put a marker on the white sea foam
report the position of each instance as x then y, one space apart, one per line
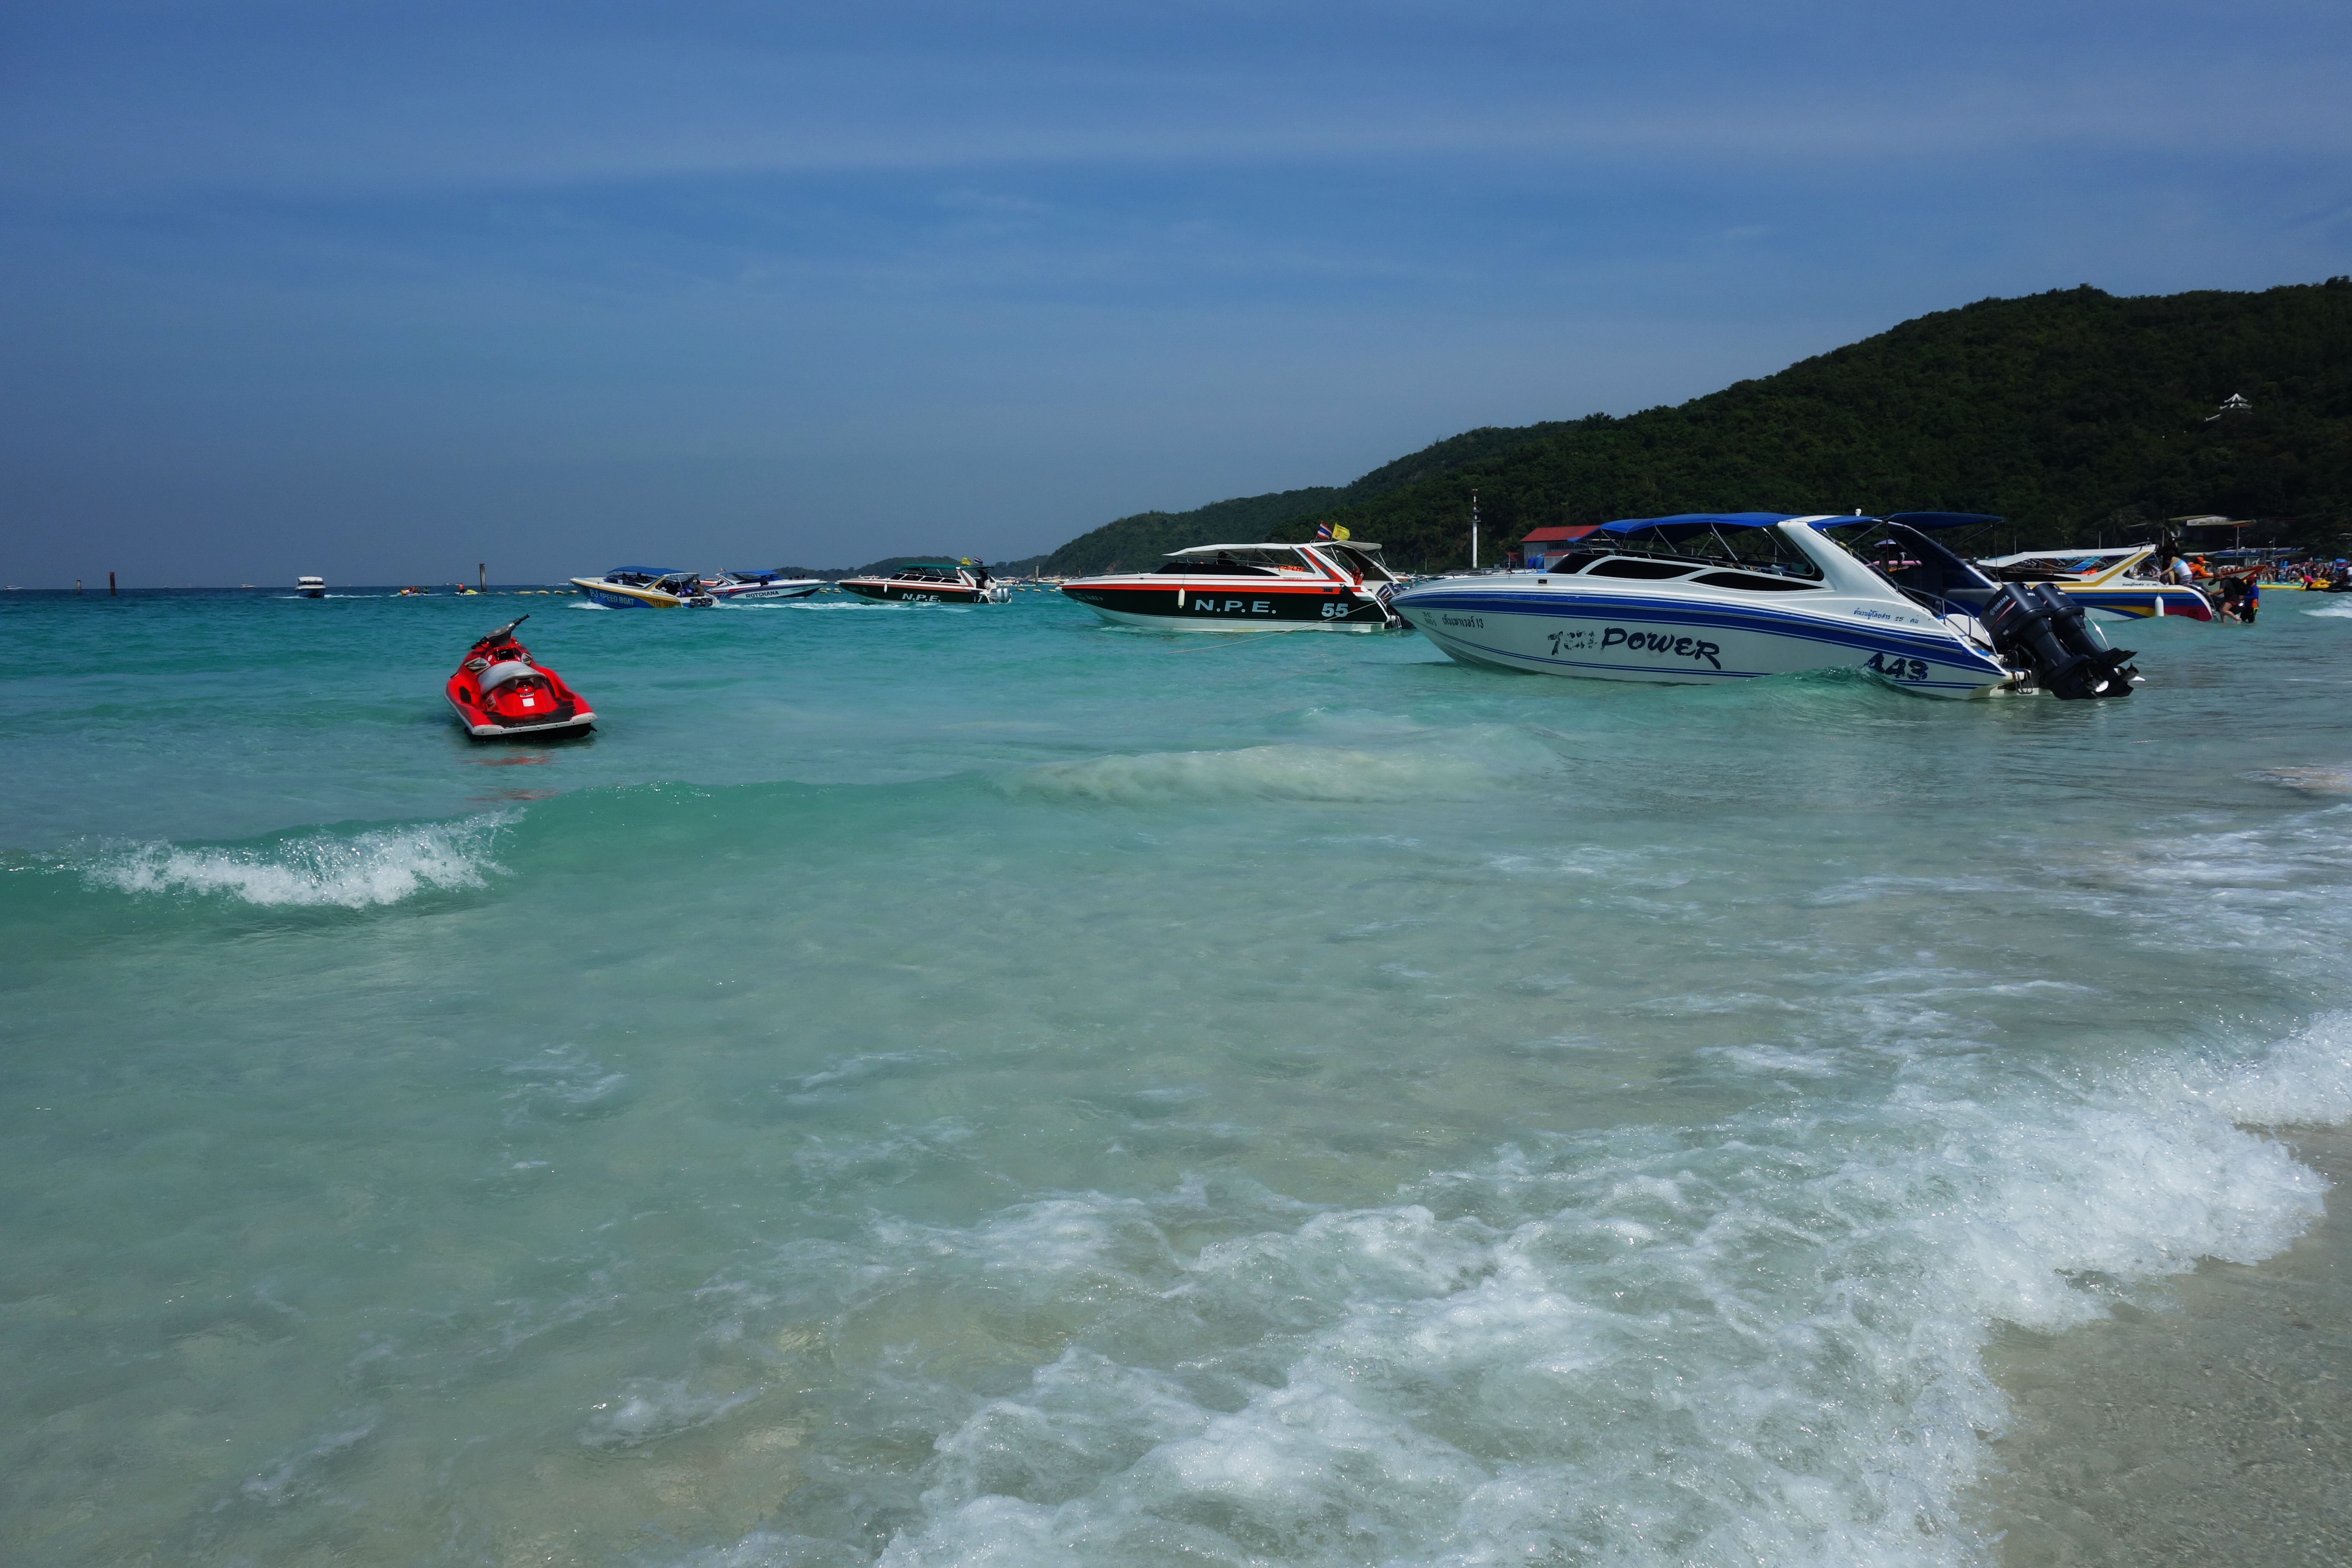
2311 780
381 866
2333 612
1468 763
647 1411
1759 1342
562 1083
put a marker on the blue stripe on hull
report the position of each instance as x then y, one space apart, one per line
1870 638
1933 648
1503 658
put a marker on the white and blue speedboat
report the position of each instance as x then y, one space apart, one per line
755 587
1709 597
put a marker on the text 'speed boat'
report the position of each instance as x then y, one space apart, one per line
754 588
501 692
930 583
1719 596
2112 584
1326 586
644 588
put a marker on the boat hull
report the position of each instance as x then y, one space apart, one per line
580 723
914 592
623 597
1652 639
765 595
2141 602
1227 607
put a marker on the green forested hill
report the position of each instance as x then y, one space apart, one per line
1136 543
2071 413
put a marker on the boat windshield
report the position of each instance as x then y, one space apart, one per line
1911 561
1366 567
2055 564
1687 549
1237 560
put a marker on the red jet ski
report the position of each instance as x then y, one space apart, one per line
499 692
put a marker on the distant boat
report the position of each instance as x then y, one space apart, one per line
310 587
2108 584
644 588
730 586
930 583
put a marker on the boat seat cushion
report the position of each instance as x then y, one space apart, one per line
500 673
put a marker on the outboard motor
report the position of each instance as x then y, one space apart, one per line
2031 624
2040 625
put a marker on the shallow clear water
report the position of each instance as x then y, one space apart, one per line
971 1085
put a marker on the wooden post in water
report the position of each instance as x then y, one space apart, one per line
110 585
481 576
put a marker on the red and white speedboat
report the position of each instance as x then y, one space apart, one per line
499 692
1327 584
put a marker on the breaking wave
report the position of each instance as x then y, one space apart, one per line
1466 763
352 871
1756 1343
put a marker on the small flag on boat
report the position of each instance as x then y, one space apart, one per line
1322 530
1340 532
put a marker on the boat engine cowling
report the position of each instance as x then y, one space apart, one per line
2042 627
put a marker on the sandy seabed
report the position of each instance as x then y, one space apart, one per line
2208 1425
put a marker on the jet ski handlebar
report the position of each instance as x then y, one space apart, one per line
503 633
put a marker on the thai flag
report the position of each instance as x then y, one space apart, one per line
1322 530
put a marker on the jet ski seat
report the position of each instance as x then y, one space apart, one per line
500 673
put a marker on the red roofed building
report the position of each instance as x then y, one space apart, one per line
1538 549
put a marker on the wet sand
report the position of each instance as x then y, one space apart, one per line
2212 1423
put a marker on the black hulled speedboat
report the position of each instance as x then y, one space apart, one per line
1324 585
930 583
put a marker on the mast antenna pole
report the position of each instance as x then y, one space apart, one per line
1473 528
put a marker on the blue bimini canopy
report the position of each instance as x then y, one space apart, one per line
1925 521
1681 525
1684 524
648 570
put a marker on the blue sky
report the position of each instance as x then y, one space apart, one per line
380 290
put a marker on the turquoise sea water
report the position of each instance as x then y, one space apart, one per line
973 1086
